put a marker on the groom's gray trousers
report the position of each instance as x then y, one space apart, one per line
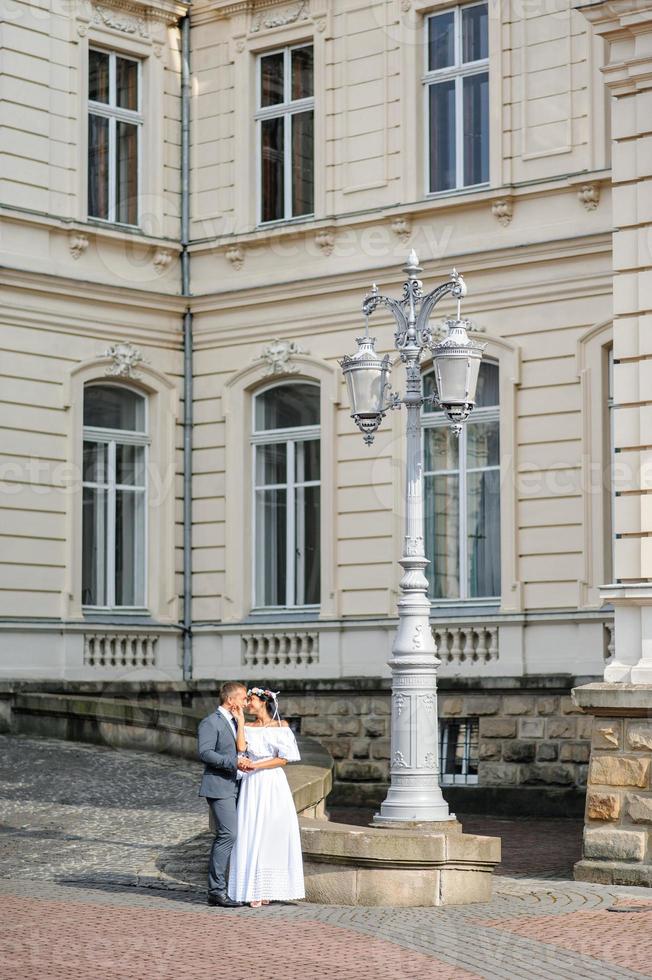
216 747
226 826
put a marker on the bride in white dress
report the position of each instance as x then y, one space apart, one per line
266 862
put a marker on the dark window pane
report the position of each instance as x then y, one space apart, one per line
98 167
487 391
483 542
302 73
272 169
271 545
271 79
98 76
109 407
129 548
442 535
307 570
287 406
442 136
130 465
127 174
459 747
126 83
307 461
441 41
94 465
302 163
475 39
271 464
94 523
475 96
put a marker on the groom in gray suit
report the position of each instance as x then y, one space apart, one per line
216 740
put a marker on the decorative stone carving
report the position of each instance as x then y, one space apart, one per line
158 50
78 244
162 259
320 24
125 359
236 256
430 760
399 701
325 239
428 702
402 229
398 761
503 211
240 45
406 5
589 196
417 637
278 354
119 20
280 18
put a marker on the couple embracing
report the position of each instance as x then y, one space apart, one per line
256 827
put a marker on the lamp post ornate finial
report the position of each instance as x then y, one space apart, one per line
414 794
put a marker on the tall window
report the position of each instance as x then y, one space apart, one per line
114 125
462 496
114 497
457 94
285 123
287 496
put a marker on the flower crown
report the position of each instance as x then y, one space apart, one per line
269 697
264 695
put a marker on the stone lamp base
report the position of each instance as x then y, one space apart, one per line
347 865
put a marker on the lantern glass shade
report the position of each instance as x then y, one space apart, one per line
456 361
367 381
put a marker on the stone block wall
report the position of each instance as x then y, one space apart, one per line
618 818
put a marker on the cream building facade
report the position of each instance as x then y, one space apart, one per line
326 139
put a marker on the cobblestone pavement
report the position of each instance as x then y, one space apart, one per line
100 852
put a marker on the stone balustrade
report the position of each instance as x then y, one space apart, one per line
282 648
466 644
120 650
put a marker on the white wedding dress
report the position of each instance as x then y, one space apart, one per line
266 858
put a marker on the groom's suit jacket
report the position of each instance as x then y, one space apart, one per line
216 747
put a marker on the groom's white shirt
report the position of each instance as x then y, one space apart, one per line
229 717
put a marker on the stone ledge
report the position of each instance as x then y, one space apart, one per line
632 700
613 873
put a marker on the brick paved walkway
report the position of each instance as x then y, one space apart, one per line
93 847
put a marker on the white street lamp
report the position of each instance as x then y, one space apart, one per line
414 794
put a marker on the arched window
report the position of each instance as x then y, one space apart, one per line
114 497
286 509
462 496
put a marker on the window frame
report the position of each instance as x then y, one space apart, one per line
464 778
289 107
111 438
290 436
432 420
114 113
457 72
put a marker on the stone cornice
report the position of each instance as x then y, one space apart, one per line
132 16
426 209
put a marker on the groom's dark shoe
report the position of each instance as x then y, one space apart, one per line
223 900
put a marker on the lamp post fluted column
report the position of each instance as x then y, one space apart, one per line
414 794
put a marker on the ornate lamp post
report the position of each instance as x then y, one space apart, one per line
414 794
